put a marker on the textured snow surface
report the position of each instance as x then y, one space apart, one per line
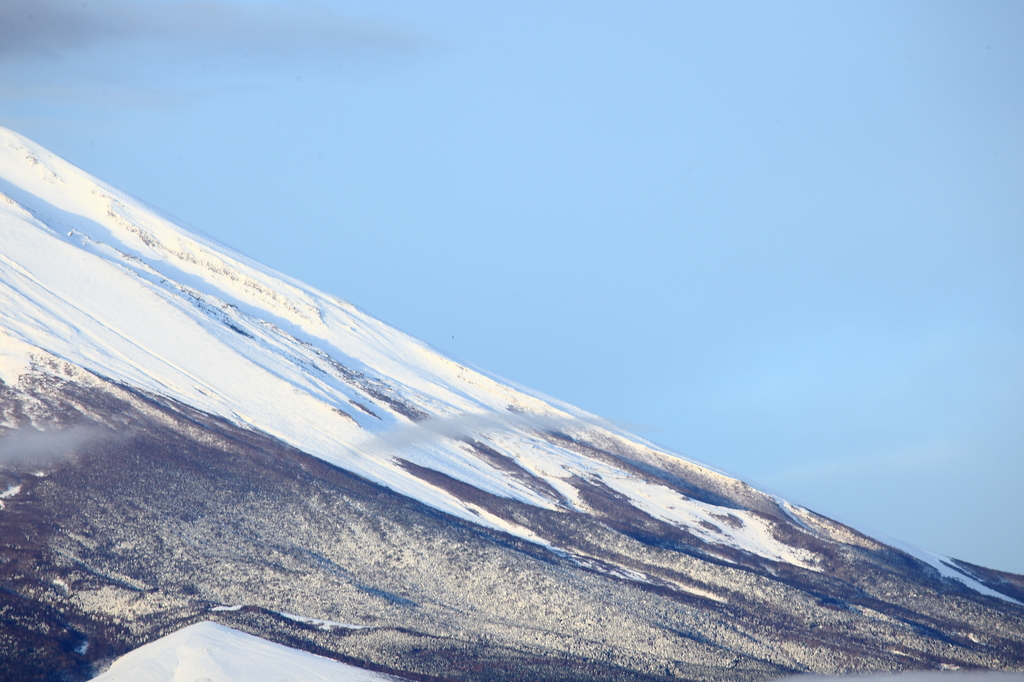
947 569
108 283
209 652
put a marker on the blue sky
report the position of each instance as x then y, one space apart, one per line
783 239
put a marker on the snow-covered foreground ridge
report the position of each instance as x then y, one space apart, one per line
212 652
96 278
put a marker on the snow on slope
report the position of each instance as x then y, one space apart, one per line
101 280
215 653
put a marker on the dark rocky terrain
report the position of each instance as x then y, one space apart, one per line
156 516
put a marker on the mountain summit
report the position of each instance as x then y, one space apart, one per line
187 435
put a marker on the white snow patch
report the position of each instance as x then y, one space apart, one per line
14 358
236 607
945 566
215 653
709 522
321 624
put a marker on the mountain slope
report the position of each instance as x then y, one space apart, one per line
110 285
107 284
209 434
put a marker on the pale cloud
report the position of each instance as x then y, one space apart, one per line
129 54
29 448
52 28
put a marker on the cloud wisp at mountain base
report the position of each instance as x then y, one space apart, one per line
29 448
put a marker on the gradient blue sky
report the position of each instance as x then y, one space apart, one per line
783 239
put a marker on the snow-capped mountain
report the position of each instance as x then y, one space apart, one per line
106 283
210 434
